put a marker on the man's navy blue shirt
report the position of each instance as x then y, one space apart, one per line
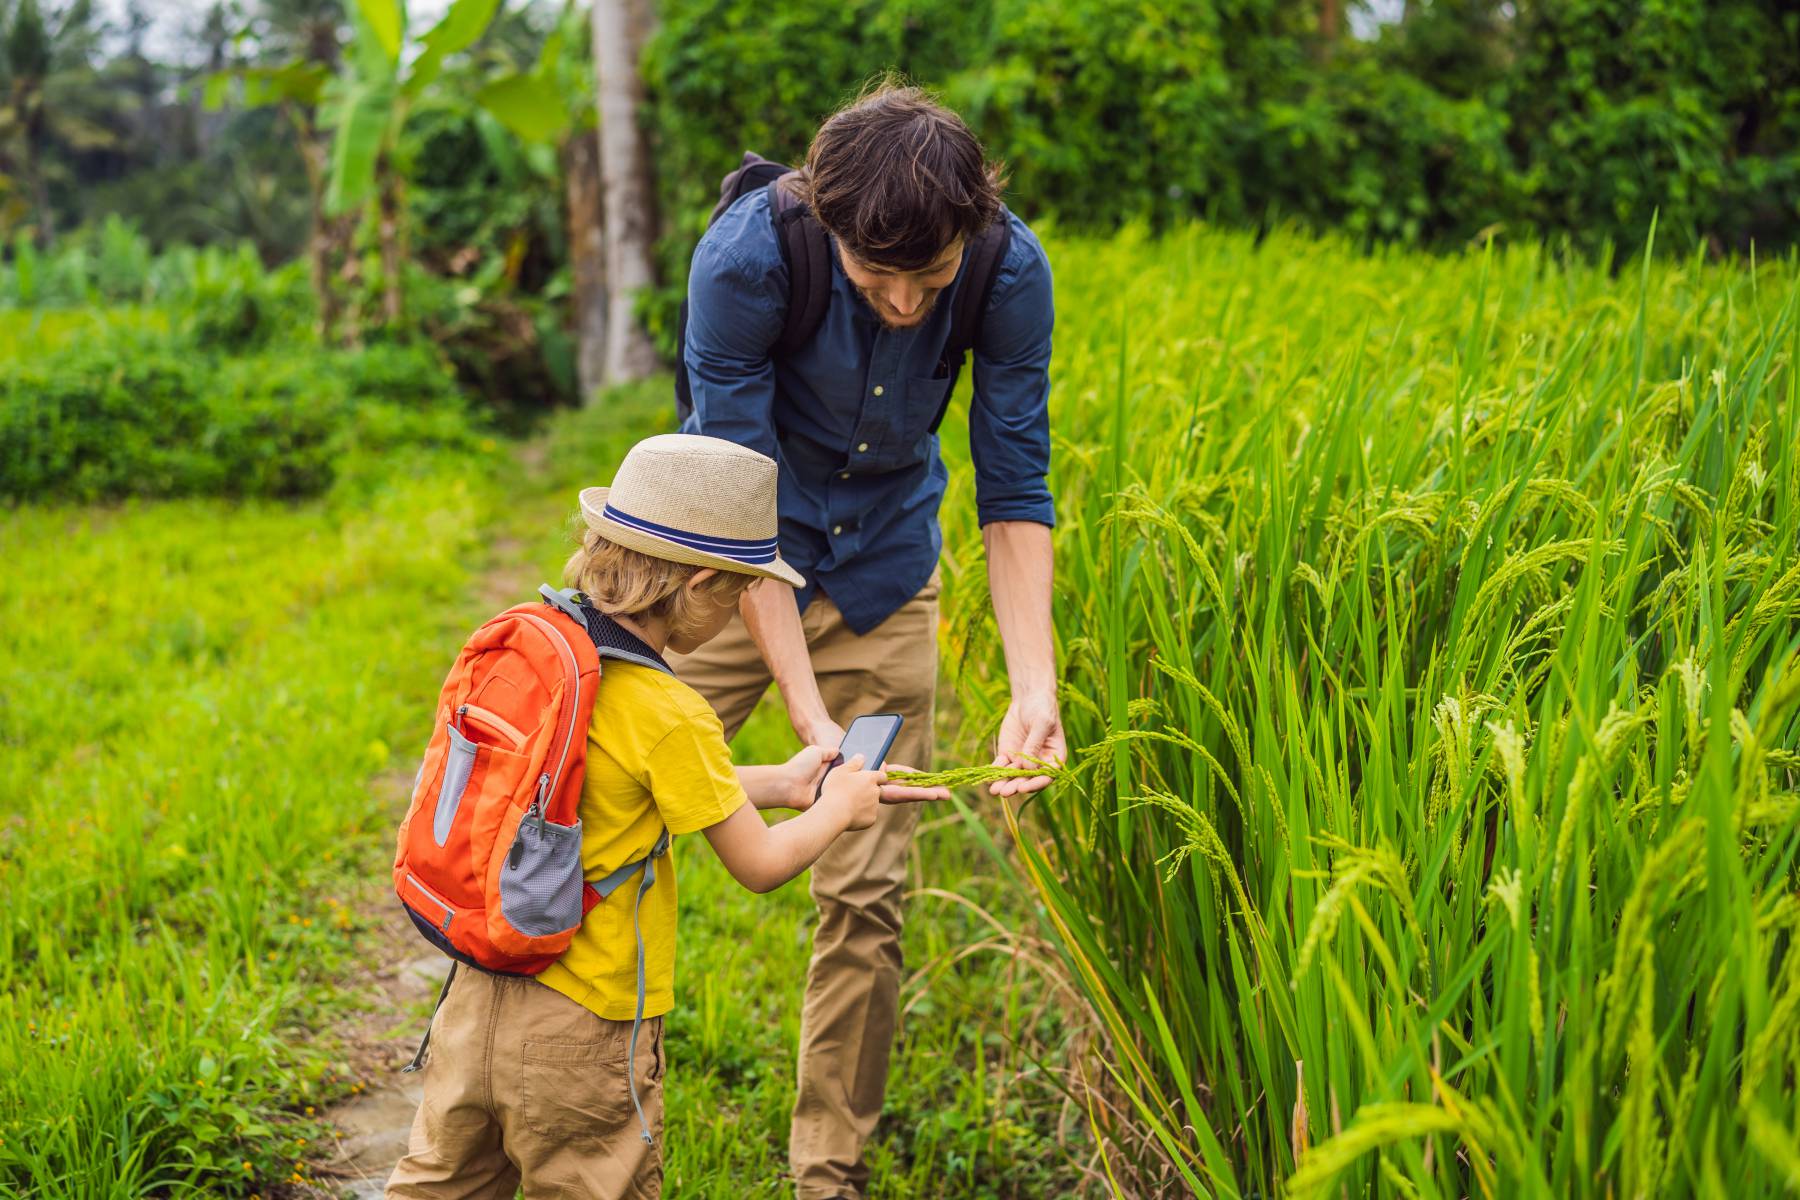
849 415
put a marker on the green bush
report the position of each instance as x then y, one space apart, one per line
1384 155
147 416
230 302
1580 118
224 298
1688 109
504 344
1105 109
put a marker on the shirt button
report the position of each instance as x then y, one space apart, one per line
837 529
878 389
843 474
862 447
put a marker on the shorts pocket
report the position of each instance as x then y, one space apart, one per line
578 1090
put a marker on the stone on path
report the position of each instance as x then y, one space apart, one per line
373 1126
373 1130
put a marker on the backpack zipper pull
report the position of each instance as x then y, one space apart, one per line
534 813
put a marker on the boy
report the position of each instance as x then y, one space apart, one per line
527 1080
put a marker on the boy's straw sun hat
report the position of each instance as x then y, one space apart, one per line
703 501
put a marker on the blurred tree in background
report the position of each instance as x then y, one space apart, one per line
1692 108
1446 121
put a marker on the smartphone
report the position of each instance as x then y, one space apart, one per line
869 736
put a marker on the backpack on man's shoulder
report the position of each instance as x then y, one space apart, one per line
806 251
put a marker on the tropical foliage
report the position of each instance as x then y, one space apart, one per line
1539 118
1428 564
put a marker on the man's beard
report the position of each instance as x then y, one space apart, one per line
880 308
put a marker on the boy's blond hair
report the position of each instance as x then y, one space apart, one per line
623 582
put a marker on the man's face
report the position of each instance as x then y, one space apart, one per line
903 299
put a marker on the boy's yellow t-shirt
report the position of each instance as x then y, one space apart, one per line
656 757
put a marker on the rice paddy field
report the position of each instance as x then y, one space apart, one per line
1429 630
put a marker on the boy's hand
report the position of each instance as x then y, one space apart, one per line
856 791
900 793
803 772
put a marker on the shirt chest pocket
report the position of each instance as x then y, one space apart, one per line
927 399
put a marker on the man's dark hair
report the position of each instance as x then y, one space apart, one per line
895 176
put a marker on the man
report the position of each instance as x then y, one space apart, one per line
901 186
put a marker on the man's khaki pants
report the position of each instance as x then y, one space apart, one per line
853 983
523 1086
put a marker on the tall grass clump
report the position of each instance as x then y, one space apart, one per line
195 698
1430 644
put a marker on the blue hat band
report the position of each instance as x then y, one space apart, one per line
744 550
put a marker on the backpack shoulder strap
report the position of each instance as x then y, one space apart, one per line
985 257
752 172
602 888
806 250
611 640
970 310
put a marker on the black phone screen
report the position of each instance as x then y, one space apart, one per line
869 736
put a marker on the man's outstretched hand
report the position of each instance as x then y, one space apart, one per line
1032 730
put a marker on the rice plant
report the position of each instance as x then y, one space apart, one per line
1430 641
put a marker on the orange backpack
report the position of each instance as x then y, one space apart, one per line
488 863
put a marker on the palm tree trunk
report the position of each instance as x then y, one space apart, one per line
587 258
40 200
629 200
32 106
392 241
324 235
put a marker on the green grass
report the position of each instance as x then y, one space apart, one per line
196 703
194 700
1429 635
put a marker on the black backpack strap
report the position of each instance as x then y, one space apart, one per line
611 640
806 249
753 172
684 391
983 266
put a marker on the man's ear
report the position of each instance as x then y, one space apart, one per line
701 576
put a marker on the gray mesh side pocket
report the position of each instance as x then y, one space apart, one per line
541 895
456 778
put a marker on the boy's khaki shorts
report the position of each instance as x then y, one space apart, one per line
525 1086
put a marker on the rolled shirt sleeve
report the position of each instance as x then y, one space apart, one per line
1009 416
735 313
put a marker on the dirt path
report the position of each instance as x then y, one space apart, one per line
395 991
